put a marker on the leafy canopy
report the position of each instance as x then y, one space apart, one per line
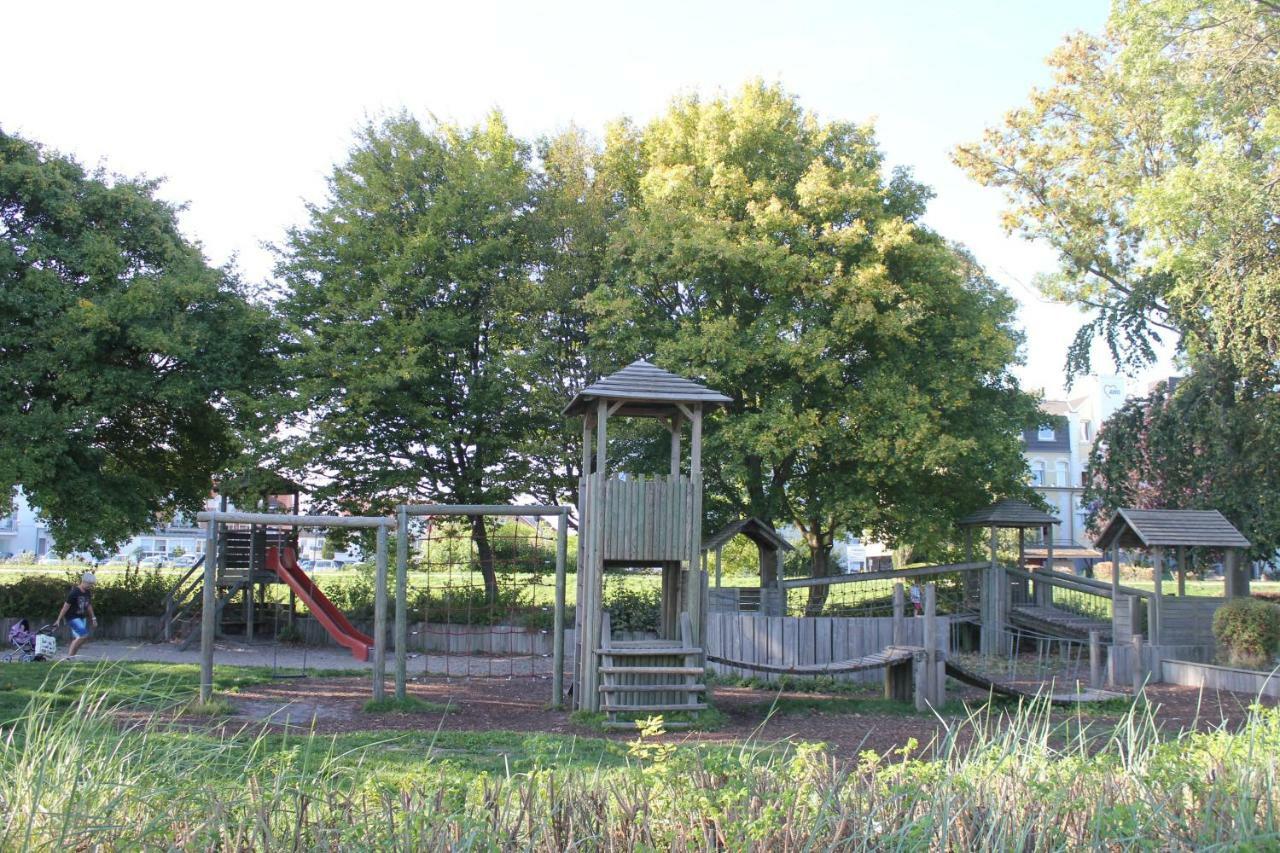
124 357
868 360
1152 165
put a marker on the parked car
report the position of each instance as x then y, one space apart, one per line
155 561
186 561
51 559
324 565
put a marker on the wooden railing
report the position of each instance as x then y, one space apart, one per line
178 600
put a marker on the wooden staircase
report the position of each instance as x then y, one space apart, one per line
643 678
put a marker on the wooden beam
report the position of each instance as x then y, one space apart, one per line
1182 571
1157 575
380 617
557 637
402 601
208 605
675 446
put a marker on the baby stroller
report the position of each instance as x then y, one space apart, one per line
30 645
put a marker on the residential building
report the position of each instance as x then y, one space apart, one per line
1058 454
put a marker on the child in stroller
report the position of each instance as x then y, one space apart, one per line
24 642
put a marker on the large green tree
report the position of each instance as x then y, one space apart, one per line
1185 446
868 360
410 302
575 213
123 354
1152 165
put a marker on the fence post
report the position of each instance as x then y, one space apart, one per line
1095 659
899 615
380 617
402 599
557 637
931 680
1139 665
208 606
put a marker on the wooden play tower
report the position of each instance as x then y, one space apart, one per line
631 521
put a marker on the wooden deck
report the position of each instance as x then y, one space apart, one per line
1055 622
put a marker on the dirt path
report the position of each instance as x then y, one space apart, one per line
333 705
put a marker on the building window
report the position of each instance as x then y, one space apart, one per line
1046 433
1061 478
1037 472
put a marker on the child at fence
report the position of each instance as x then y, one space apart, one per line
915 599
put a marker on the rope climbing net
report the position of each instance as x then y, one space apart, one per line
481 595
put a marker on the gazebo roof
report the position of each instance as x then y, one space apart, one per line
754 529
1008 513
645 391
1148 528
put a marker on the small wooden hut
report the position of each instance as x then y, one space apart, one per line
768 598
1154 530
996 593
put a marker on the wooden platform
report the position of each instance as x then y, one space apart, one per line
1055 622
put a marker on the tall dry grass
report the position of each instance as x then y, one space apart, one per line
89 777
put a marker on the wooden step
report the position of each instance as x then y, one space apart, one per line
644 709
653 688
631 726
655 670
648 652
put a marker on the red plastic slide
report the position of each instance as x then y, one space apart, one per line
284 563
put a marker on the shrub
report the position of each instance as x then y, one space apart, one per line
38 597
1247 631
633 609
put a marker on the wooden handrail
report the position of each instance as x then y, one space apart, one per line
1092 587
891 574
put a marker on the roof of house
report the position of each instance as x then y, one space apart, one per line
1008 513
1147 528
1055 407
646 391
754 529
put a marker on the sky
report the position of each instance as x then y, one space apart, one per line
244 108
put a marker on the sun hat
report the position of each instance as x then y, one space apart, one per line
88 577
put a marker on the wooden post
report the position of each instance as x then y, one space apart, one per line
380 616
557 637
718 558
1115 570
1095 659
676 425
1182 571
931 680
208 602
1236 577
992 601
695 602
402 600
1022 565
253 571
1044 592
1139 666
899 615
595 589
1157 574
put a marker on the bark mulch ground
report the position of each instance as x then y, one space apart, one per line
335 705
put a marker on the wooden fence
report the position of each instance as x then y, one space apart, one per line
797 641
109 628
1195 674
647 518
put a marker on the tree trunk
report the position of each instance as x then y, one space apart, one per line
820 548
484 554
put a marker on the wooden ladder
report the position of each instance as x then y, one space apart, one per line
649 677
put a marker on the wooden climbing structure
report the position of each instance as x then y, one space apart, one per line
632 521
